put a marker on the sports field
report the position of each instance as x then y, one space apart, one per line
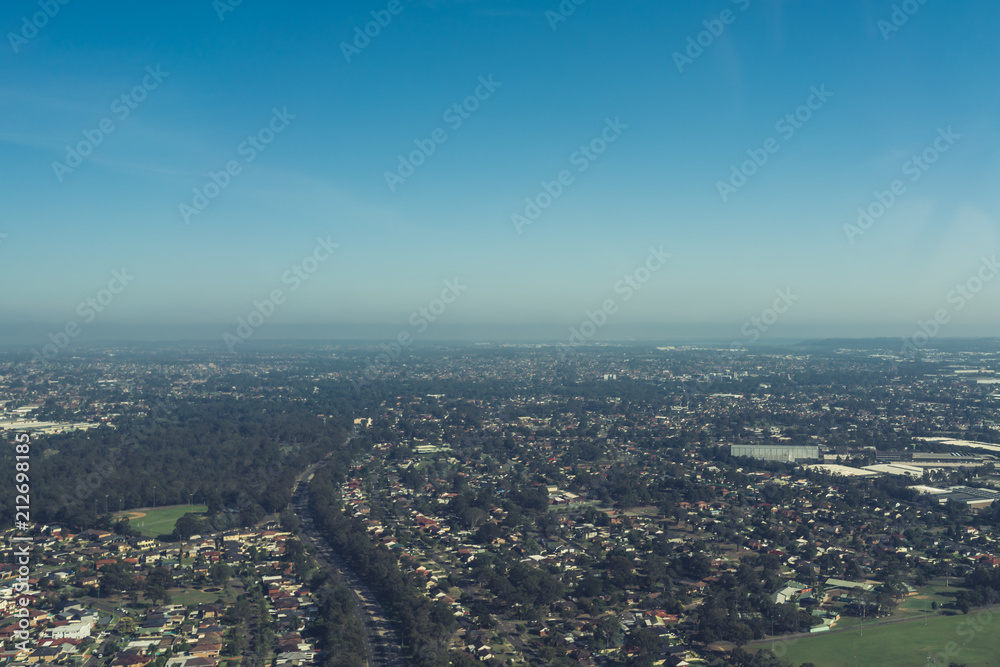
153 522
972 640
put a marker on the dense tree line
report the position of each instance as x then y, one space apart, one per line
231 455
425 627
983 589
741 609
337 628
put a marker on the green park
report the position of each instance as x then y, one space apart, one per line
963 639
153 522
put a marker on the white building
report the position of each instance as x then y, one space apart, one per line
76 630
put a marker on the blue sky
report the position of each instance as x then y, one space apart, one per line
344 124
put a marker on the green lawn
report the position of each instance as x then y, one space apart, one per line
161 520
972 639
934 592
193 596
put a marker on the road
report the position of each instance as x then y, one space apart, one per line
380 638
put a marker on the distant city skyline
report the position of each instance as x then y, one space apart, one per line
739 170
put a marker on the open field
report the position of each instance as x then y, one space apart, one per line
152 522
921 603
971 639
193 596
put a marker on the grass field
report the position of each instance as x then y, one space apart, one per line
920 603
159 521
972 640
193 596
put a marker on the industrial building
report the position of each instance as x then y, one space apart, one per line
786 453
934 459
966 495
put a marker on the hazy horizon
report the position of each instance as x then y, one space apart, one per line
741 170
37 337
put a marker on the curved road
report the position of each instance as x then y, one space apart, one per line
380 638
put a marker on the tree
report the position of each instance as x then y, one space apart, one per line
608 633
158 581
644 639
122 527
115 578
186 526
126 625
590 587
220 573
740 634
695 566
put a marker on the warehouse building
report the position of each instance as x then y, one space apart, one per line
786 453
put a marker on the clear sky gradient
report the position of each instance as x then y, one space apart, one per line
678 126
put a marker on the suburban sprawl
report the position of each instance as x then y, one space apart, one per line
502 504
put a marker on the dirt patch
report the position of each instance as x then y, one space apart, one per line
135 515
